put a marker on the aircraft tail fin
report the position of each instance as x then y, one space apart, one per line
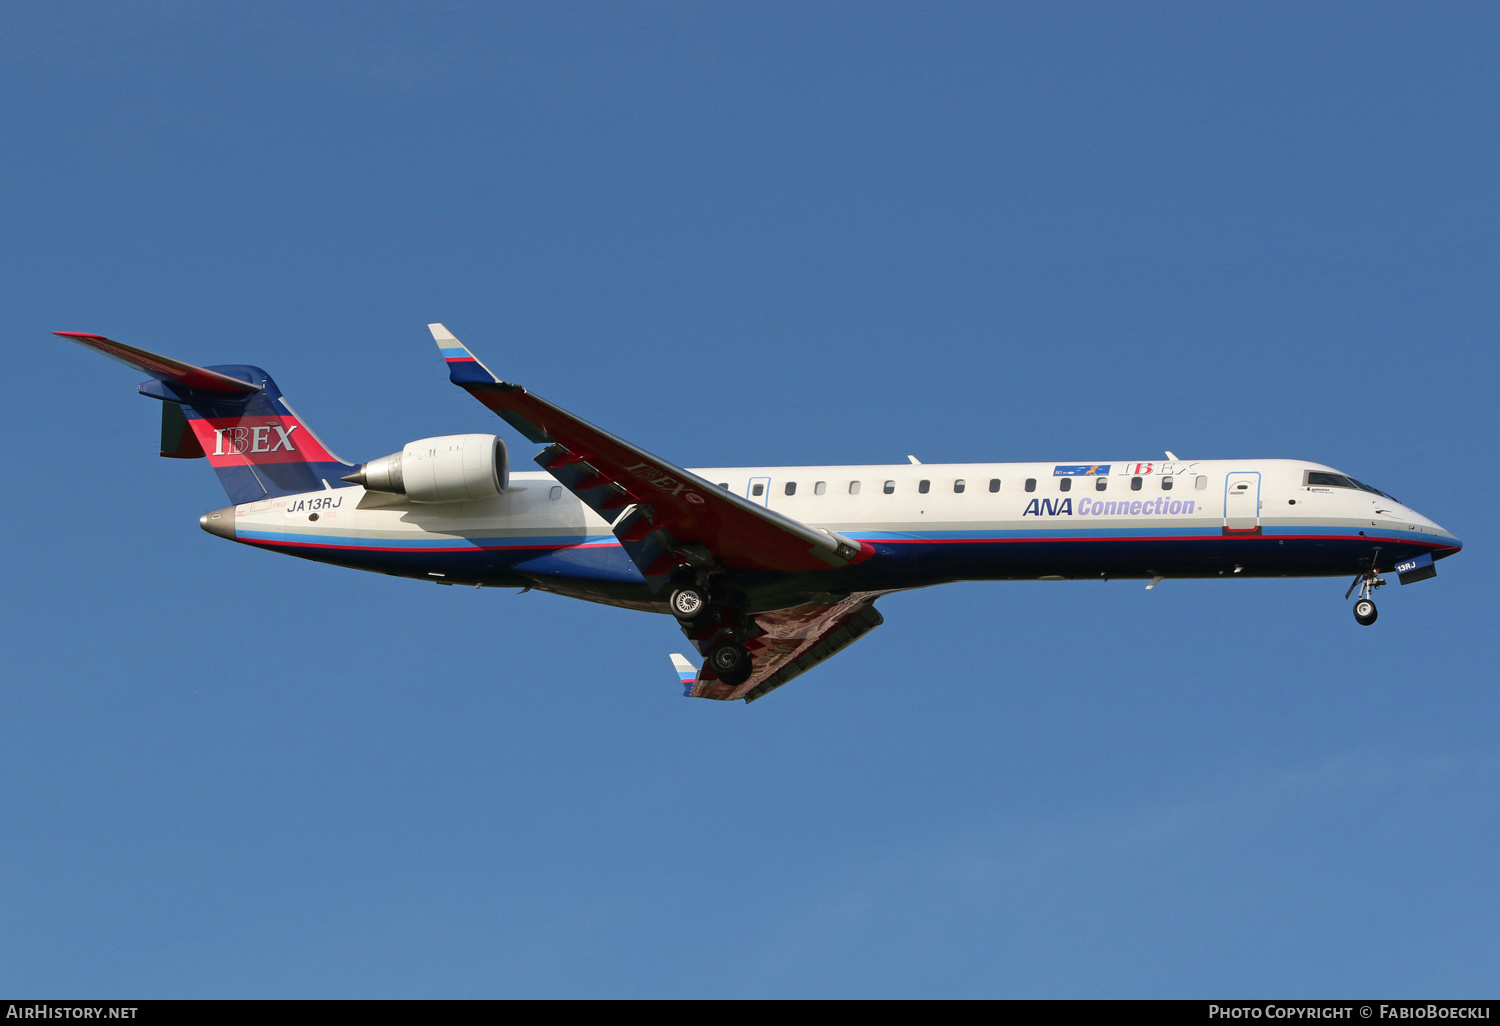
236 417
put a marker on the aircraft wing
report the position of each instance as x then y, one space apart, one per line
795 640
662 514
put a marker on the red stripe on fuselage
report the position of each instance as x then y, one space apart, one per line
1155 537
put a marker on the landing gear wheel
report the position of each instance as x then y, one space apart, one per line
688 603
1364 608
731 663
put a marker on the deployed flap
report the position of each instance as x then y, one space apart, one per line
676 514
161 368
795 640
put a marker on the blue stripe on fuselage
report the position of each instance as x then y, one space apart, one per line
442 544
903 559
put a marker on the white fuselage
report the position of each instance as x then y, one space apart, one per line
928 522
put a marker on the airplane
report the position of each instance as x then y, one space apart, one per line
767 570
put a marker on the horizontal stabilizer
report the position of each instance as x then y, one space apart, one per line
162 368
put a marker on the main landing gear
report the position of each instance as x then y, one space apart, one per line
715 628
1364 607
731 662
688 602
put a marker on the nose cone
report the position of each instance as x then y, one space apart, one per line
1441 536
219 522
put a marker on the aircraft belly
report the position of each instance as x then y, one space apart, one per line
1010 551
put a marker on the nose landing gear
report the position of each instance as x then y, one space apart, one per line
1365 612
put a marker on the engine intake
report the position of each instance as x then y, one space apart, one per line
450 468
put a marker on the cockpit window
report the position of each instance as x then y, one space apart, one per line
1323 479
1370 488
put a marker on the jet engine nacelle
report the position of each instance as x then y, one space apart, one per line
451 468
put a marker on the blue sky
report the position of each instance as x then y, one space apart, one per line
749 234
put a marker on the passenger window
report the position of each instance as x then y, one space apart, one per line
994 484
853 487
757 489
958 486
1101 483
791 487
820 487
554 493
1031 484
1065 485
1201 483
724 485
1166 484
1135 484
890 487
924 487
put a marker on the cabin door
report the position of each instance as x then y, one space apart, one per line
1242 501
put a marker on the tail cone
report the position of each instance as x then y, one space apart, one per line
219 522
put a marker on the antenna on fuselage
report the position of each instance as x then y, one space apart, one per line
915 460
1172 456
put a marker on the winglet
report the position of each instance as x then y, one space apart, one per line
686 672
463 368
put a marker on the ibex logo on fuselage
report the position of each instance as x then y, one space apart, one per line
237 441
